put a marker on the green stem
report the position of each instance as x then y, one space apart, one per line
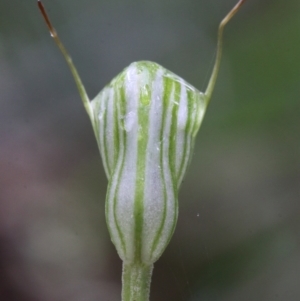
136 280
215 72
79 84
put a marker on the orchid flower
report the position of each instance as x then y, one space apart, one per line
145 122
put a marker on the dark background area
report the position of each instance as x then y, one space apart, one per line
237 236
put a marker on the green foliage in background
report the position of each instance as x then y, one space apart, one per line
237 233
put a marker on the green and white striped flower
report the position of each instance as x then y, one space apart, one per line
145 122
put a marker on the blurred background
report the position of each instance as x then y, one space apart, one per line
237 236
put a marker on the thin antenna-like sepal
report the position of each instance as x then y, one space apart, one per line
80 86
215 72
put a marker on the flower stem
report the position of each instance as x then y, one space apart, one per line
136 280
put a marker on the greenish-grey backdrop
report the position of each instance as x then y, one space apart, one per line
238 233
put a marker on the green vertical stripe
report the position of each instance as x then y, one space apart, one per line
173 132
143 124
167 92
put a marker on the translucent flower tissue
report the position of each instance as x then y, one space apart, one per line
145 122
